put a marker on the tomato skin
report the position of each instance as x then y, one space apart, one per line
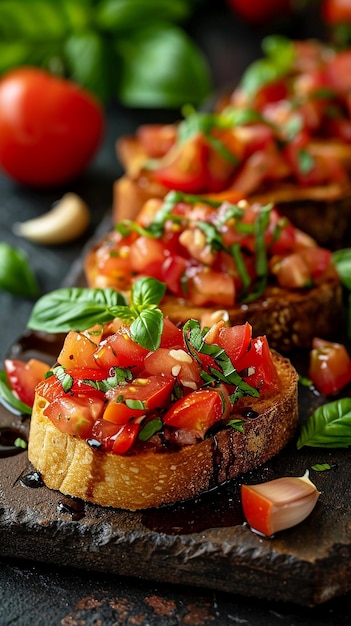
50 128
265 376
75 415
120 350
115 438
77 351
24 376
157 139
185 167
199 410
329 366
153 391
235 340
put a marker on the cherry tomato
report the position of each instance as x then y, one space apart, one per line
50 128
260 12
329 367
24 376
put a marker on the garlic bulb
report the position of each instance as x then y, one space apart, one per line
278 504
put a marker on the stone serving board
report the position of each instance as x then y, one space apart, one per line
204 542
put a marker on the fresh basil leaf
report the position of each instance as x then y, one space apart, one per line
237 424
305 161
279 57
329 426
65 379
74 309
88 63
161 67
147 328
147 292
342 262
16 275
10 399
31 20
120 15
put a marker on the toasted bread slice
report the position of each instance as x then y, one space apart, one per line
152 478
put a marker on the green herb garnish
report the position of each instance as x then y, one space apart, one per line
329 426
80 308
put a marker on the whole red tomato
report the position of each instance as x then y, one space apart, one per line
336 11
260 11
50 128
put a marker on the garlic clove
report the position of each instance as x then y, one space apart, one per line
66 221
278 504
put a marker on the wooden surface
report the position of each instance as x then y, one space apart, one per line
203 543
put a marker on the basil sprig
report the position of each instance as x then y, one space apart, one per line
77 308
329 426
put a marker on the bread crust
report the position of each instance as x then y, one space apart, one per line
153 478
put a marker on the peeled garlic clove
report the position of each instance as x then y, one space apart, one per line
66 221
278 504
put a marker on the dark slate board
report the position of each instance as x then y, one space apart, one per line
203 543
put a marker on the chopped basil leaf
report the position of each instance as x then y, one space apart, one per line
65 379
150 428
237 424
321 467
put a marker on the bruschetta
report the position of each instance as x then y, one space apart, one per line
121 425
237 260
282 136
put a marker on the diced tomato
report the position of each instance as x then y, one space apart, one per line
52 387
329 366
174 362
172 335
157 139
270 92
257 366
75 415
206 286
235 340
173 269
146 394
198 411
338 72
115 438
77 351
291 271
120 350
318 260
185 166
24 376
223 158
147 256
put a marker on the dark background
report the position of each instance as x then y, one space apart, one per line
40 595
